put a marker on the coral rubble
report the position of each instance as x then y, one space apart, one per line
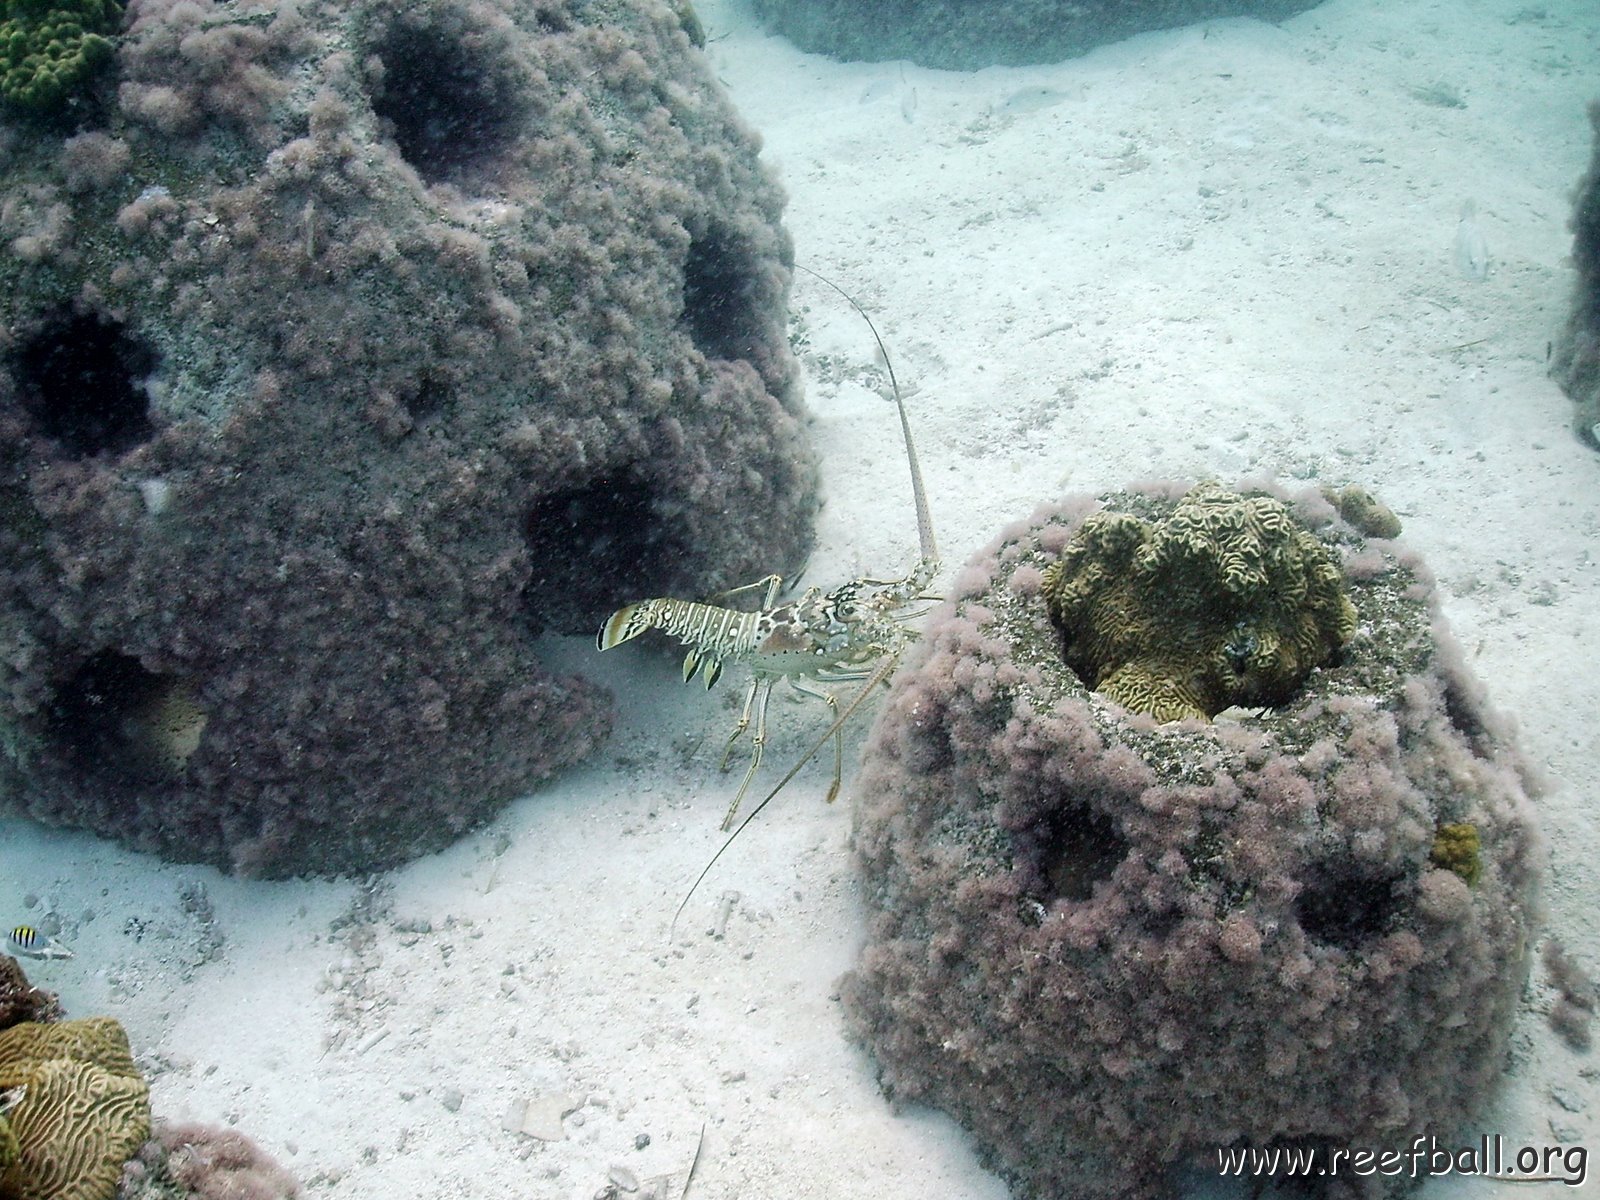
20 1000
203 1162
963 36
1576 358
343 349
1111 945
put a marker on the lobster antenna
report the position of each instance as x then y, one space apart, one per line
924 520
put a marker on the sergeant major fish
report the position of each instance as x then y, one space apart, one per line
27 942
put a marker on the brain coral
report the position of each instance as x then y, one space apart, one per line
961 35
1110 946
84 1111
344 348
1224 601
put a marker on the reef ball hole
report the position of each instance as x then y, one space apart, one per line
431 397
595 548
551 20
1077 849
1464 714
117 720
720 302
1346 908
450 108
82 381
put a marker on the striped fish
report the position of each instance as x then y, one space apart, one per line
27 942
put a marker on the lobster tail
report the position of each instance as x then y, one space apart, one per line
624 624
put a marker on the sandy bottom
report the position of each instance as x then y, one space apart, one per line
1221 251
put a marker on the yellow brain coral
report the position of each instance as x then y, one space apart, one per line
1225 600
9 1150
84 1108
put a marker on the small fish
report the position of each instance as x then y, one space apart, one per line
28 942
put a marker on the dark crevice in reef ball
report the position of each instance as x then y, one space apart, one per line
596 544
81 381
451 104
720 306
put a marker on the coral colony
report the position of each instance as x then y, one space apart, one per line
346 348
1111 943
75 1118
78 1108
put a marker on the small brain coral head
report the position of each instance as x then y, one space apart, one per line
1182 611
83 1109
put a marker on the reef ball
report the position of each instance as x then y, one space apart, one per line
1112 946
344 349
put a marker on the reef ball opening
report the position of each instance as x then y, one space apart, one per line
599 544
721 307
119 724
1072 850
81 380
1347 907
449 102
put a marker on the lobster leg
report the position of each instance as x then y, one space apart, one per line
760 692
880 675
743 722
800 685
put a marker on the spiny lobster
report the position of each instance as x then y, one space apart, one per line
855 632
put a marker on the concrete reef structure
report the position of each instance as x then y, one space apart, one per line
1111 946
344 348
963 36
1576 361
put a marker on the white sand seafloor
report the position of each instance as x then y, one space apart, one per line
1220 251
